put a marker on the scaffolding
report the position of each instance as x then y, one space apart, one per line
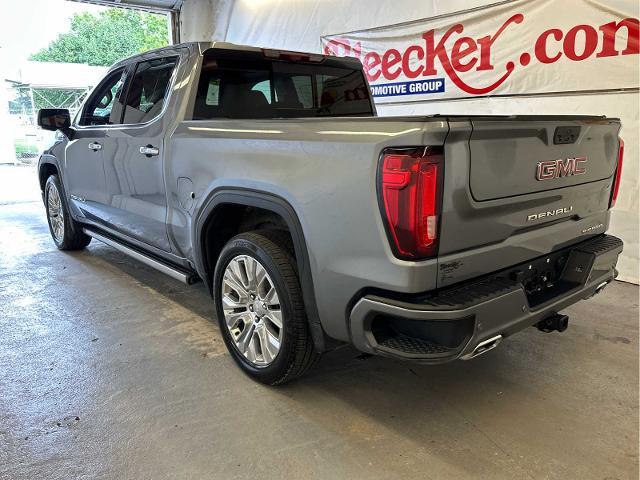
37 85
51 85
28 99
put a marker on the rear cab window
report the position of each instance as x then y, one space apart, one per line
236 84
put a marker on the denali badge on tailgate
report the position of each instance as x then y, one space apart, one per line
561 168
549 213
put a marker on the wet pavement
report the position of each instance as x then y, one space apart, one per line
111 370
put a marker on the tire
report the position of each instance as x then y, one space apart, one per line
241 321
66 232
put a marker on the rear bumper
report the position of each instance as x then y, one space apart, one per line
452 323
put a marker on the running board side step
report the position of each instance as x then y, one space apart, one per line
180 275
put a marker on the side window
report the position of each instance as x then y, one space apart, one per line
149 89
104 106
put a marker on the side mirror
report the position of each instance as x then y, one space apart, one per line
54 118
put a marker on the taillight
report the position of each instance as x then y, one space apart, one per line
409 185
616 181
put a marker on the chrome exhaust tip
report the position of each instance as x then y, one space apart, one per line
600 287
483 347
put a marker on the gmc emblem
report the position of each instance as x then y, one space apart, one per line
561 168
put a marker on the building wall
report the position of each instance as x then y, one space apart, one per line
298 25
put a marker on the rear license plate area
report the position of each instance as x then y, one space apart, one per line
547 277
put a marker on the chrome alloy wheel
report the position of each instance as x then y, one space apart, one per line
56 213
252 310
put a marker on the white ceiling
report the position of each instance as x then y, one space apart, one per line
152 5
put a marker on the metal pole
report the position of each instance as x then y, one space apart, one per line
173 18
33 107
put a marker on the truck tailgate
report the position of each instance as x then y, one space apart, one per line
505 155
516 188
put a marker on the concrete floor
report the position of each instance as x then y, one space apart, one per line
111 370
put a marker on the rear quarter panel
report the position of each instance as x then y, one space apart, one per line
326 170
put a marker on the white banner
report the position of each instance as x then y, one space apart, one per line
511 48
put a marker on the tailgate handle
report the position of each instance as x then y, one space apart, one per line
565 135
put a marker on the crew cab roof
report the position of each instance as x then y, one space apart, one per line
201 47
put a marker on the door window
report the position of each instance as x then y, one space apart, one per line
149 90
104 107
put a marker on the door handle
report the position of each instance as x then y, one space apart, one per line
95 146
149 151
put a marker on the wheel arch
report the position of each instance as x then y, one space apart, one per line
280 207
47 166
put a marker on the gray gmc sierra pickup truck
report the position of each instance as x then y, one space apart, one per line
267 175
